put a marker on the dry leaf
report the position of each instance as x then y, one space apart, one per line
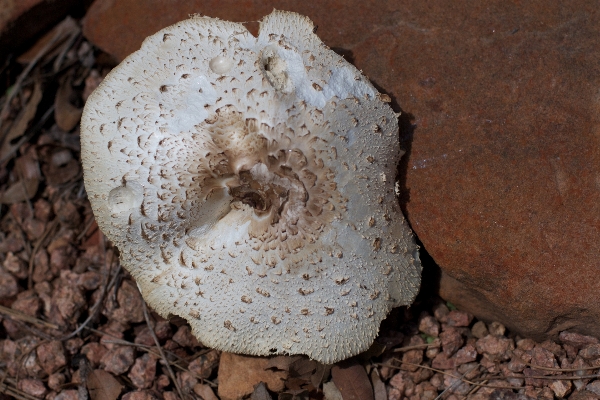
205 392
351 379
103 386
91 83
321 374
261 392
67 116
331 392
282 362
54 38
59 165
294 395
22 121
238 374
23 189
378 386
27 165
375 350
303 368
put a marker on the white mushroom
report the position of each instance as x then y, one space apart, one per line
248 183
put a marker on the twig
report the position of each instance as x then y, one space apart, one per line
37 246
150 349
17 315
474 389
27 136
85 229
16 393
99 302
35 331
455 384
162 355
557 377
444 373
61 56
145 347
520 376
27 199
16 87
561 369
416 347
9 385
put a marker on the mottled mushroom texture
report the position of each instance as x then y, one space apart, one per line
249 185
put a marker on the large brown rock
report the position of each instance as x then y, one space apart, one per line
502 177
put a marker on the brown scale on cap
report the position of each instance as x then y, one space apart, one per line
247 189
274 171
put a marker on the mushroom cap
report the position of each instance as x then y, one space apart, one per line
249 185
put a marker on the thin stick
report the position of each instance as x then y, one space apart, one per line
150 349
520 376
85 229
27 136
145 347
37 246
13 314
16 393
162 355
474 389
96 307
16 87
447 373
416 347
562 369
455 384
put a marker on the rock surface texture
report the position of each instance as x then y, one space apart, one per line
502 184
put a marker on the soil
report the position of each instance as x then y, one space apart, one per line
74 326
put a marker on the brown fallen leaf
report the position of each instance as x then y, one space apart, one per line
91 83
261 392
282 362
103 386
20 124
375 350
352 380
50 42
378 386
301 367
294 395
23 189
59 166
301 374
67 116
27 165
320 375
205 392
238 374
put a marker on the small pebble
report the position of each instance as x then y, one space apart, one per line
458 318
479 329
496 328
561 388
429 326
441 311
577 339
